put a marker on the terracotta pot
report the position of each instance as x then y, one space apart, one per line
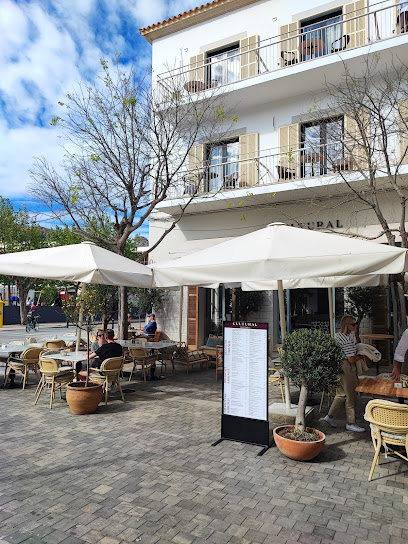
299 451
83 400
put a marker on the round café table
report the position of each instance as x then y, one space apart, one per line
377 337
311 47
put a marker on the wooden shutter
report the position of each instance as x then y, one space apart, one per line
250 60
403 132
192 318
196 168
248 169
354 150
357 29
197 72
289 144
289 46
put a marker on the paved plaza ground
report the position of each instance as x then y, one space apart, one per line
145 471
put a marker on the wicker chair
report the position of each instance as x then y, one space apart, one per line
55 344
275 379
141 357
389 427
109 373
53 376
27 361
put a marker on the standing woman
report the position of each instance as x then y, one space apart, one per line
346 391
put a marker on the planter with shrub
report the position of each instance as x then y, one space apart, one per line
313 360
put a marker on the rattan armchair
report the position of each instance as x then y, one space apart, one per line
109 374
141 357
27 361
55 344
389 428
53 377
275 379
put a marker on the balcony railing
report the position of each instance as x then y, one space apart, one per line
274 166
349 31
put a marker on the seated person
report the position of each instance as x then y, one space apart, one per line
151 327
129 319
100 340
106 350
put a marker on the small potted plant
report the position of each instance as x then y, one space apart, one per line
313 360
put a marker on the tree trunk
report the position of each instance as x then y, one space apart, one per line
22 290
105 321
122 313
300 422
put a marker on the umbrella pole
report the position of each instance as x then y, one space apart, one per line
331 313
80 321
283 334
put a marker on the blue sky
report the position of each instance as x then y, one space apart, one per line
47 46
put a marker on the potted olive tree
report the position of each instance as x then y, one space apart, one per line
82 309
313 360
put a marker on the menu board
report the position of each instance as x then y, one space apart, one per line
245 386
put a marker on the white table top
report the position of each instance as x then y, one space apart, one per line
7 349
73 356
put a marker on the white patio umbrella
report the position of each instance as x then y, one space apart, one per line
85 262
280 256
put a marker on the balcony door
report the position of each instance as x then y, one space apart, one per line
223 66
321 35
223 161
322 146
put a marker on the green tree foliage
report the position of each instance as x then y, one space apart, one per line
313 360
18 232
362 301
148 300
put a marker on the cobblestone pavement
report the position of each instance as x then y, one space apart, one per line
145 471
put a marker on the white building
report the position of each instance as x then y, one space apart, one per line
280 163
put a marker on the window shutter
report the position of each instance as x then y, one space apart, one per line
289 46
357 29
250 60
289 144
197 68
354 150
196 167
248 169
403 132
192 318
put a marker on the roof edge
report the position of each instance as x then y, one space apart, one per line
192 17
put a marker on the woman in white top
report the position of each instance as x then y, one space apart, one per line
346 392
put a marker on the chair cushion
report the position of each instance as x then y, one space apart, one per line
214 342
393 436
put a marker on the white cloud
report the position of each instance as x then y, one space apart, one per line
46 46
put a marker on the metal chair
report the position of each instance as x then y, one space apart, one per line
109 374
389 428
27 361
340 44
